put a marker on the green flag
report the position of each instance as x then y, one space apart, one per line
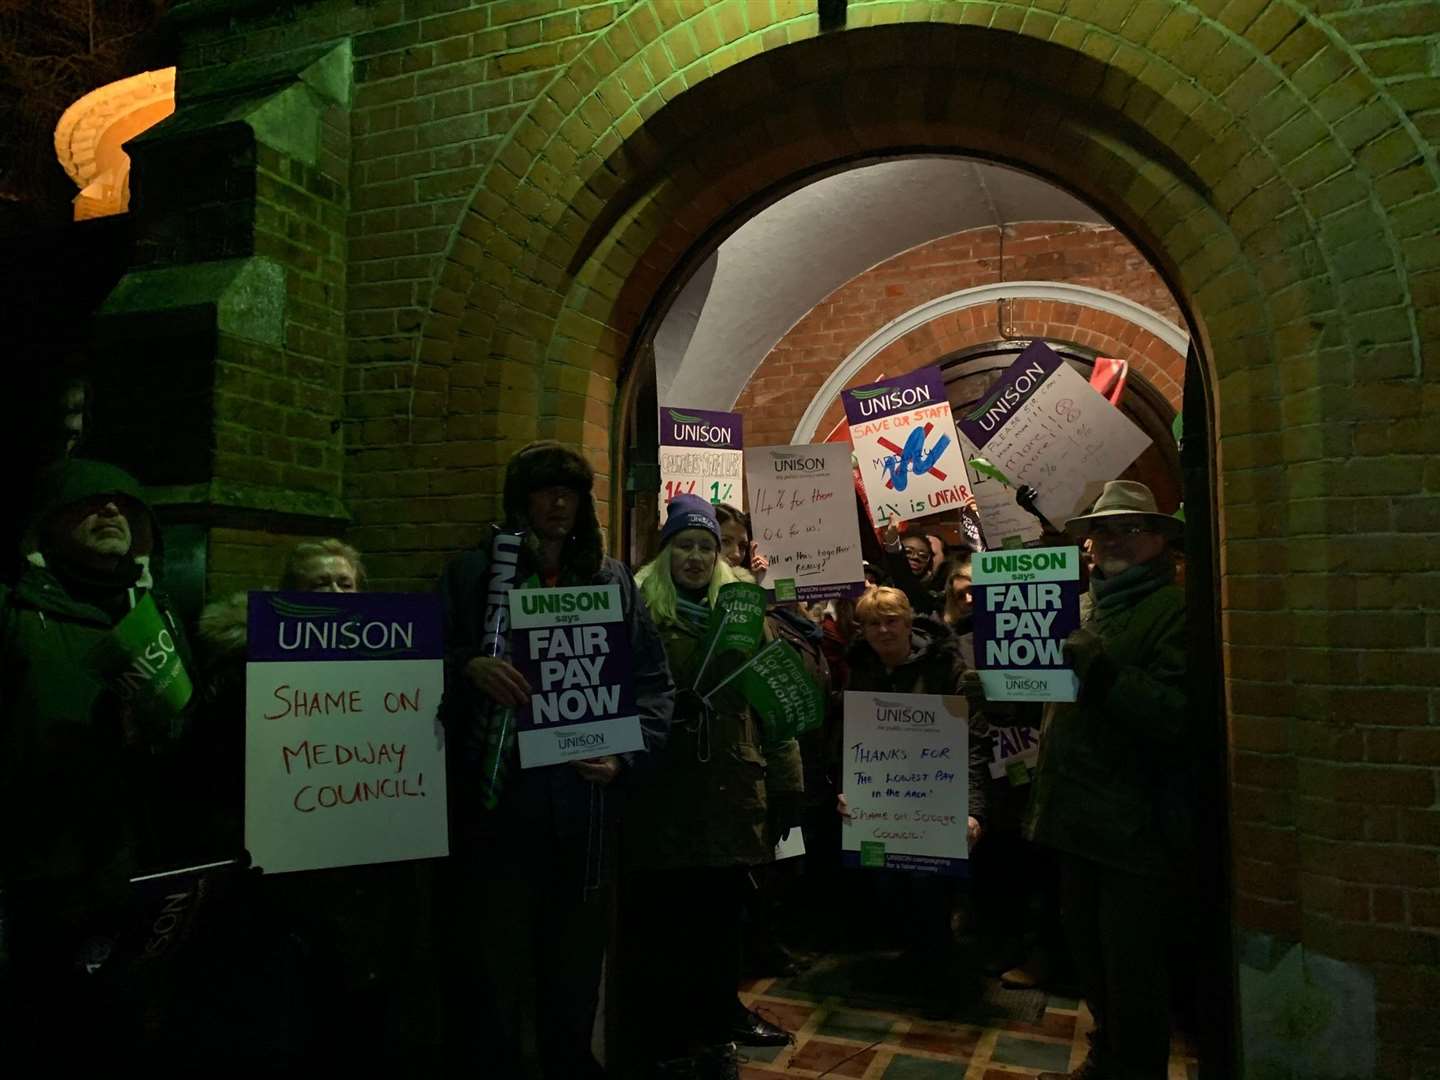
140 661
984 468
778 686
737 622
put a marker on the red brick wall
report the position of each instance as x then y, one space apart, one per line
1099 257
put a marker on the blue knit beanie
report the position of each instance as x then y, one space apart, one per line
689 512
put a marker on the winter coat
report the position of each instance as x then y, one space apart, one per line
933 667
819 747
1110 783
86 793
553 801
707 801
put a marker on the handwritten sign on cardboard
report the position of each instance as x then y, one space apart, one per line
1042 424
906 761
344 754
802 513
910 460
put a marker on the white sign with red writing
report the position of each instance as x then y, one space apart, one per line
905 441
344 753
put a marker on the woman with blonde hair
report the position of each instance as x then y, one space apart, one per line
900 652
695 827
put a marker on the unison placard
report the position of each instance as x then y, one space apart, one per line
907 782
701 453
344 754
1027 602
573 647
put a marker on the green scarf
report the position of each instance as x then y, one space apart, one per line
1129 587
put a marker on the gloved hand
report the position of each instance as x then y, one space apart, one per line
972 690
783 810
1083 649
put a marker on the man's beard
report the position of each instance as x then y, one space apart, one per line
1111 567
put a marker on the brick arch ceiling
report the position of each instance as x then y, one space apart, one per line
787 258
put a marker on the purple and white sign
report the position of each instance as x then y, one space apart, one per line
1027 602
344 753
802 511
701 453
907 781
572 646
905 442
1044 425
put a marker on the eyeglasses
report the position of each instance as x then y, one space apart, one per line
1107 529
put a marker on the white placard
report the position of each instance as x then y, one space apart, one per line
1005 522
802 514
1042 424
907 782
701 453
344 763
911 461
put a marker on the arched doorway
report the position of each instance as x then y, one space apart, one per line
970 362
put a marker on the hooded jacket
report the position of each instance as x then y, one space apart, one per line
933 667
80 784
552 801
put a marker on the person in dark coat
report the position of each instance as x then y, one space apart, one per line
1110 793
900 652
703 820
912 566
525 902
88 745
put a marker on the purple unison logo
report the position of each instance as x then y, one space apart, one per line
701 428
901 394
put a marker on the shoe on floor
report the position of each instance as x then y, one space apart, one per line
752 1029
1031 975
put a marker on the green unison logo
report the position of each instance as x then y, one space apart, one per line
292 610
684 418
866 395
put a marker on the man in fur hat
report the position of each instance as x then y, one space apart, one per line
1110 792
528 899
87 735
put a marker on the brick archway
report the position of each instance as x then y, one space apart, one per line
1282 189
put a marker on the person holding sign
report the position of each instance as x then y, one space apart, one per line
1109 792
705 817
900 652
529 889
94 696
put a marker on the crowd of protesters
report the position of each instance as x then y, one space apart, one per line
623 885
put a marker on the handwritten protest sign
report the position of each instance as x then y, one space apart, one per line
904 437
1004 521
1026 603
1042 424
344 756
701 453
802 512
907 782
573 647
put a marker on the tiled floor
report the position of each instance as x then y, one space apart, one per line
835 1039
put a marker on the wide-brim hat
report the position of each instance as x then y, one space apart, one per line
1131 499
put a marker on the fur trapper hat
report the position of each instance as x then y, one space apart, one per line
550 463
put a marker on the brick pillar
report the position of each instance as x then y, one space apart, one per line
237 298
